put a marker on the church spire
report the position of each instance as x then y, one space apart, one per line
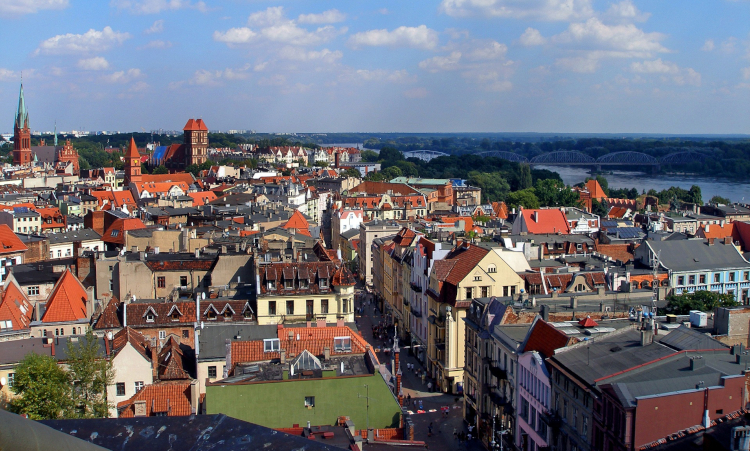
55 133
22 116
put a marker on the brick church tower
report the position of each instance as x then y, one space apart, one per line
21 134
132 164
68 154
196 142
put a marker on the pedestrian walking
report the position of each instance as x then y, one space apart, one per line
429 430
408 399
429 386
455 434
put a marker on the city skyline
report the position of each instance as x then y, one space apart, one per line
574 66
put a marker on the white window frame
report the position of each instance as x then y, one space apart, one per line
271 345
342 344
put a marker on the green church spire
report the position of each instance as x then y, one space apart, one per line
22 116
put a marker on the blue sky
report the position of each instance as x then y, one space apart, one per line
585 66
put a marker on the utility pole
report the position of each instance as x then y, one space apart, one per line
367 398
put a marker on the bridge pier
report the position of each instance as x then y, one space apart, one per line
655 169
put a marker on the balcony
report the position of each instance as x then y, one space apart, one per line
415 287
496 371
438 321
553 419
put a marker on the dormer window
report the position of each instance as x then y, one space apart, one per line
149 317
323 283
211 313
271 284
175 314
228 312
342 344
288 284
304 284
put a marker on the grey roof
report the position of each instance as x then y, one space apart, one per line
684 338
193 433
212 341
74 235
40 272
696 255
512 334
351 233
12 352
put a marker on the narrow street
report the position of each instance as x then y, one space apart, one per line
432 404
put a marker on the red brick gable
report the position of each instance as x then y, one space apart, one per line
179 265
163 313
170 398
67 302
135 338
195 125
115 234
109 319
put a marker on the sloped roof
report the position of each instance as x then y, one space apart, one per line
67 302
500 210
619 252
171 366
135 338
14 307
185 177
172 398
692 255
716 231
587 322
136 313
109 319
201 197
196 124
547 220
121 225
132 151
9 241
595 189
297 221
466 256
544 338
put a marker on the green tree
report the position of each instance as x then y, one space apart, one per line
705 301
524 177
163 170
523 198
390 154
719 200
90 374
599 208
694 195
43 388
392 172
554 193
321 164
494 186
352 172
369 156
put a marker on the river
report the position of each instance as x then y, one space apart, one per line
734 191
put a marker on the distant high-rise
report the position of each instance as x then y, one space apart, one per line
21 134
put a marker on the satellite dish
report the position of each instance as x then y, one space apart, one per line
2 381
134 298
297 337
201 325
203 295
109 335
342 367
291 370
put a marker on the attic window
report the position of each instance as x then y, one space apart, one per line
149 317
304 284
342 344
492 269
271 345
323 283
288 284
271 284
115 233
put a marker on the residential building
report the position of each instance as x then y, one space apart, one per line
368 232
343 221
542 221
12 252
68 244
131 359
22 220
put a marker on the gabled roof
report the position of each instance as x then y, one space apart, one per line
595 189
115 234
15 308
67 302
466 257
109 319
196 124
136 313
185 177
201 197
500 210
170 398
297 221
171 366
136 340
9 241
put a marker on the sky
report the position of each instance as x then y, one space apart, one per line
443 66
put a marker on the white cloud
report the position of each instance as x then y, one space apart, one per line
273 80
441 63
268 17
393 76
330 16
158 44
729 45
415 37
578 64
273 26
156 6
298 54
548 10
416 93
708 45
89 42
745 73
123 76
19 7
9 75
626 11
241 35
95 63
491 50
627 40
212 78
668 71
531 37
156 27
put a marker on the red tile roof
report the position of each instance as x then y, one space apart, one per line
544 339
67 302
297 221
467 256
109 319
500 210
587 322
196 124
184 177
548 220
380 188
9 241
132 151
14 307
201 197
172 398
165 313
135 338
716 231
595 190
115 234
171 366
312 339
216 310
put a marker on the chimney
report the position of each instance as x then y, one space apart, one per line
155 362
647 337
697 362
142 256
320 322
282 356
727 240
327 353
140 408
545 312
710 241
134 249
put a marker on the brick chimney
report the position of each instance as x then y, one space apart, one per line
155 362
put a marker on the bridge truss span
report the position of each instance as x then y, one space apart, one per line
510 156
563 157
